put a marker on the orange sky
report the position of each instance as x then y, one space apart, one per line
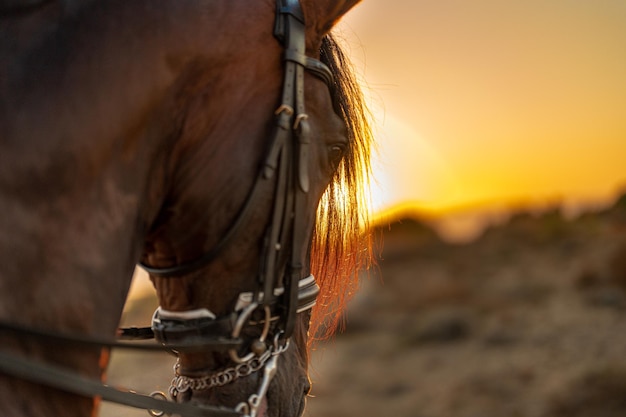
487 101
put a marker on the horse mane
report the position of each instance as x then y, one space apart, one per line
341 245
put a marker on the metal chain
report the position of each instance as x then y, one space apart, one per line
181 383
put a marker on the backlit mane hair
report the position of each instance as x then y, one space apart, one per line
341 243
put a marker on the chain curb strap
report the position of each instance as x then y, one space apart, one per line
268 361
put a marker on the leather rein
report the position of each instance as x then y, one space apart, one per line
274 306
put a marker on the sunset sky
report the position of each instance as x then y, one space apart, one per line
489 102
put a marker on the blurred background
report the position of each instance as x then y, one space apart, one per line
499 208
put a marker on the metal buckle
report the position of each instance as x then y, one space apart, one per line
258 347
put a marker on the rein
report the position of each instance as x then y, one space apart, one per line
280 294
52 376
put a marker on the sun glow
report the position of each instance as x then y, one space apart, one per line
491 103
404 154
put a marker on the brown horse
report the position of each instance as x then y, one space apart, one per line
134 131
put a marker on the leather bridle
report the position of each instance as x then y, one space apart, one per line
281 292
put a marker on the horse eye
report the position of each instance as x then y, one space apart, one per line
335 154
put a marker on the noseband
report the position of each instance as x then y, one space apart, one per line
280 295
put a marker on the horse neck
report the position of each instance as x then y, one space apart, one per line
78 146
86 120
88 115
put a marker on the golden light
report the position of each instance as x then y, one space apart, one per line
483 104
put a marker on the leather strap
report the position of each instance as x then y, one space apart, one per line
210 256
290 29
172 332
208 341
62 379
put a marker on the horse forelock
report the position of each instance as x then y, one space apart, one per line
341 245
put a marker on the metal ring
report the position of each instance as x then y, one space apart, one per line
161 396
255 401
243 408
182 384
244 317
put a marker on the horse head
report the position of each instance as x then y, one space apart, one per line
231 245
223 145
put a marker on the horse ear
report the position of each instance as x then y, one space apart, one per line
322 15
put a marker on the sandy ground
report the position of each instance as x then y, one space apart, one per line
528 320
